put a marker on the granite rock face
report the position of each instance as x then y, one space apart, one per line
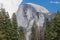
28 13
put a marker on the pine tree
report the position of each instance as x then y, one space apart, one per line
14 27
2 34
50 34
21 33
5 24
57 25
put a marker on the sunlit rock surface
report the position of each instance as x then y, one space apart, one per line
28 13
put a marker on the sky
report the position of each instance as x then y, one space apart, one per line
50 5
12 5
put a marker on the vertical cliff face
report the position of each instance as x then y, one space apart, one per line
28 13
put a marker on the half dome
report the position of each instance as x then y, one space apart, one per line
39 8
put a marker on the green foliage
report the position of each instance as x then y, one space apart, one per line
57 25
50 34
8 27
14 35
5 24
21 33
52 31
